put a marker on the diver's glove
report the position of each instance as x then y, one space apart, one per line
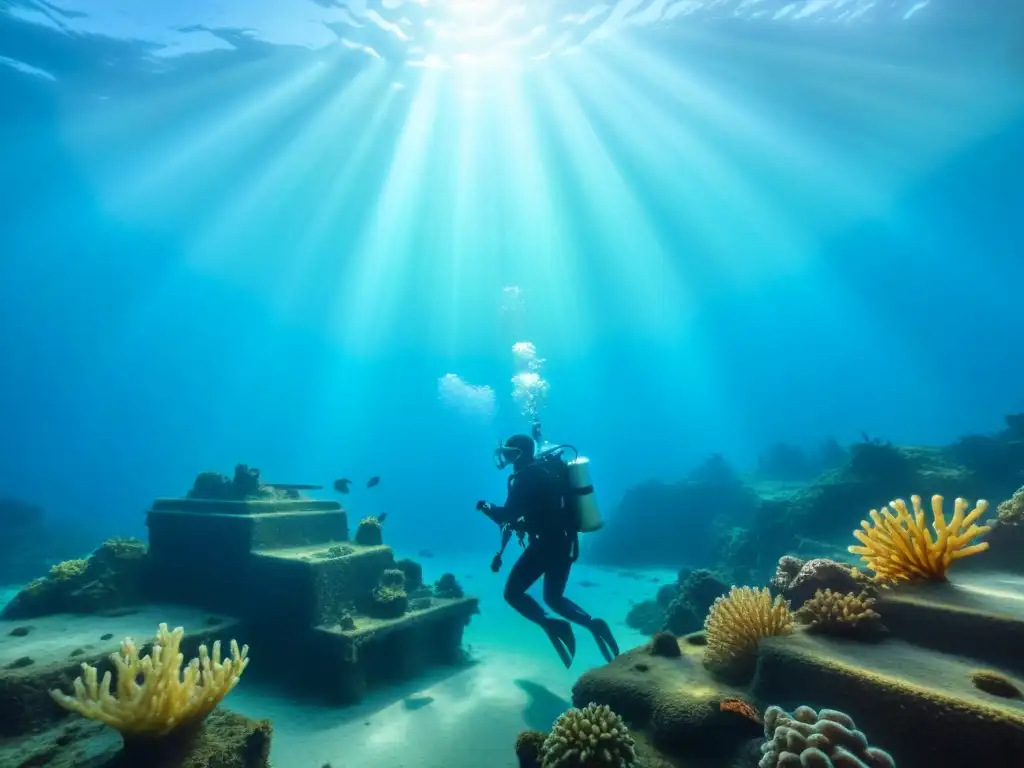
496 563
482 506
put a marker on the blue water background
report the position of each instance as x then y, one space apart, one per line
137 350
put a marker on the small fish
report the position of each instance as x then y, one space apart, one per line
372 481
341 486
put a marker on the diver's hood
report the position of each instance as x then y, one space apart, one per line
513 449
506 455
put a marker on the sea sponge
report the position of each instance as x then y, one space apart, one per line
900 547
153 697
737 622
664 644
389 600
836 613
812 739
594 737
369 533
741 707
393 577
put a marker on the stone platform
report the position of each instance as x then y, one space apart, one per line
375 652
945 688
287 569
918 704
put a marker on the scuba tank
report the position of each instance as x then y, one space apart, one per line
580 497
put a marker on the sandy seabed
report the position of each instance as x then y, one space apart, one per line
470 717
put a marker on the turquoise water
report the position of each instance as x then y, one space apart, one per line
345 239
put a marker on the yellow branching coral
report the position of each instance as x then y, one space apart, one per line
900 547
153 697
737 622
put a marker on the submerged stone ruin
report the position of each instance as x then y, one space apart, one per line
326 614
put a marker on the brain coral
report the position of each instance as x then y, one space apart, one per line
809 739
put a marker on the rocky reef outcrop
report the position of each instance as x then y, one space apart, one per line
112 577
750 521
668 524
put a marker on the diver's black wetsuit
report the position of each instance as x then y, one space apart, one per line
534 507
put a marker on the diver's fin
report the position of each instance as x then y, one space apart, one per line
605 639
561 636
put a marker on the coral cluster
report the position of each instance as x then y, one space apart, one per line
837 613
1011 511
389 599
369 533
810 739
737 622
592 737
901 547
798 580
153 697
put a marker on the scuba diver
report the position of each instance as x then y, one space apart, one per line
540 508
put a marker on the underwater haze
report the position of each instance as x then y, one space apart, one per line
266 232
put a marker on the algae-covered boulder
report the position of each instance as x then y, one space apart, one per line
370 532
111 577
671 698
244 485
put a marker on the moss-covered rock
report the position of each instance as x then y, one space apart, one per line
112 577
226 740
672 699
244 485
679 608
369 533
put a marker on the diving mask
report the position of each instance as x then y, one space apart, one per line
505 455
